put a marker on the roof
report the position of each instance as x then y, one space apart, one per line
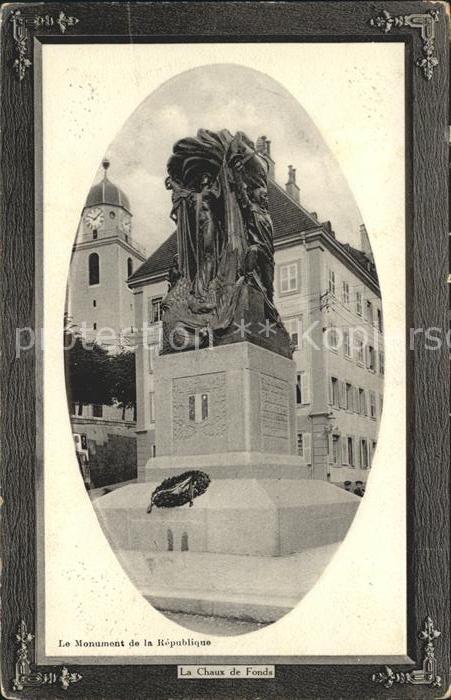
106 192
288 217
362 258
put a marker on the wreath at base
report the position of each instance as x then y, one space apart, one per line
178 490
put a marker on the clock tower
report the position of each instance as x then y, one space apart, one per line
104 256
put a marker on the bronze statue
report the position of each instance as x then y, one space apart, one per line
225 264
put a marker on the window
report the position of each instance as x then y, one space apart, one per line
293 326
381 404
369 313
94 269
362 402
94 326
336 449
373 450
349 396
112 214
332 282
358 303
94 234
350 452
344 450
303 387
304 447
363 454
360 350
381 362
335 396
154 450
380 323
371 358
198 407
300 444
129 267
333 339
152 407
288 278
373 412
97 410
153 351
345 293
347 344
204 401
94 303
155 310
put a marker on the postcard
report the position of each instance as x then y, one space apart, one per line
227 370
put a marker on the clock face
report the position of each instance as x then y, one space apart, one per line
94 218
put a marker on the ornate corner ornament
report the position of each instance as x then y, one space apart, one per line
21 34
27 678
425 676
426 22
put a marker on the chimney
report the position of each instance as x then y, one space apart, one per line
327 226
365 246
263 146
291 187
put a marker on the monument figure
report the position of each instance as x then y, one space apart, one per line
225 266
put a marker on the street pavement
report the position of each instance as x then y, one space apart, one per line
212 624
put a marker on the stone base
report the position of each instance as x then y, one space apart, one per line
256 589
259 517
234 465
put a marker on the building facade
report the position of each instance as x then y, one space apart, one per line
328 296
99 301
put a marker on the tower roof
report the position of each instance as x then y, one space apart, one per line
106 192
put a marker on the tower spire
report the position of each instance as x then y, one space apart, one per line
106 165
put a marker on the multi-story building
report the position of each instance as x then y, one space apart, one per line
328 296
99 302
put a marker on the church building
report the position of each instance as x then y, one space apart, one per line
327 293
99 302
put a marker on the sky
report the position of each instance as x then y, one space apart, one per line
237 98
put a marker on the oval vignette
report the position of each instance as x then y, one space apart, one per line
254 542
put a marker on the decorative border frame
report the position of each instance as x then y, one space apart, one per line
426 23
427 303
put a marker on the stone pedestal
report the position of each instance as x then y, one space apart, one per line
258 538
227 410
259 517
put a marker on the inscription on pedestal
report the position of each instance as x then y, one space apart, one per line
274 406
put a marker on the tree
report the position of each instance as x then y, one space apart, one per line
89 378
124 381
